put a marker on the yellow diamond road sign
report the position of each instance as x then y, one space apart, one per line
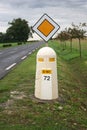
46 27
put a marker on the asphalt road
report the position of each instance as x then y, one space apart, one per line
10 57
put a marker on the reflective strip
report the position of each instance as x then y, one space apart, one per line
51 59
10 66
23 57
40 59
46 71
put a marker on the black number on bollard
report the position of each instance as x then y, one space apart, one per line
47 78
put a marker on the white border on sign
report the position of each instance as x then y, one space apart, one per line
45 16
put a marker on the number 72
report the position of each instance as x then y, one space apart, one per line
47 78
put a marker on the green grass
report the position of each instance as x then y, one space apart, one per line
27 113
27 127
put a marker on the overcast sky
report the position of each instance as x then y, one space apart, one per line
64 12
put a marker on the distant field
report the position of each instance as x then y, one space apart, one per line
75 44
12 44
83 44
19 110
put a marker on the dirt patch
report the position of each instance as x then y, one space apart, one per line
17 95
14 95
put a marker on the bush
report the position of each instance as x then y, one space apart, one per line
7 44
19 43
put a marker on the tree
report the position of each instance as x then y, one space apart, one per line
69 31
63 36
1 34
78 32
31 32
3 37
18 30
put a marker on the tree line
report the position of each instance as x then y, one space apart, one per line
73 32
19 31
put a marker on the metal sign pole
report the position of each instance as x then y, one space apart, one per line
46 44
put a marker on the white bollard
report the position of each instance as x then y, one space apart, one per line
46 84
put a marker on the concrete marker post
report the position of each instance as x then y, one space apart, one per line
46 83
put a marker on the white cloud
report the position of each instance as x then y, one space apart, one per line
64 12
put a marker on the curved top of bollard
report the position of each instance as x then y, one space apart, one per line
46 51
